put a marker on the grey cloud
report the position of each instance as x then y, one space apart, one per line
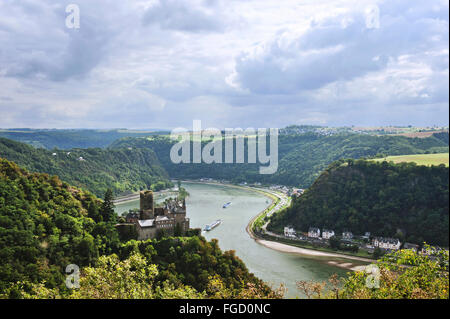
183 16
168 64
330 52
51 51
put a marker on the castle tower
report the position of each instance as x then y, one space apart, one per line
146 205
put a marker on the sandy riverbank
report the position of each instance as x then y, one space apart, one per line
126 198
134 196
315 253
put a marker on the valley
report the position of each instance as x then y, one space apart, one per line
204 205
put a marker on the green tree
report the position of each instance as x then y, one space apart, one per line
377 253
335 243
107 209
94 213
404 274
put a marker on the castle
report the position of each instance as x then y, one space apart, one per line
152 220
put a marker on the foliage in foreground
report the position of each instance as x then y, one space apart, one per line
404 274
134 278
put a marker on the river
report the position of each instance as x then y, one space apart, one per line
204 205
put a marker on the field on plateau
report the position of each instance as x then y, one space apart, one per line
420 159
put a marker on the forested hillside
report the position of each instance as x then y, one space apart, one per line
45 225
67 139
122 170
404 200
302 157
443 136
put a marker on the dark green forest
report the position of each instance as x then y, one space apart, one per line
121 170
46 224
404 200
302 157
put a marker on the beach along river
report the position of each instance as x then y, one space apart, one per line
204 205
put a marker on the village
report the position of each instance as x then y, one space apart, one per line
351 242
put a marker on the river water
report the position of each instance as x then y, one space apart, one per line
204 205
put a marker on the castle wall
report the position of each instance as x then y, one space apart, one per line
179 218
146 233
186 224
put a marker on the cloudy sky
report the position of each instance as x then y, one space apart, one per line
229 63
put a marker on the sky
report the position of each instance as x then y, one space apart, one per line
248 63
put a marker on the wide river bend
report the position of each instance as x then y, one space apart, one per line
204 205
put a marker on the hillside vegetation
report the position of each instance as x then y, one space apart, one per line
68 139
425 277
121 170
45 225
302 157
405 200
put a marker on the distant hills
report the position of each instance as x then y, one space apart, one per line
93 169
140 160
406 201
302 157
68 139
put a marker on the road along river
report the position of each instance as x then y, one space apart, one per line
204 205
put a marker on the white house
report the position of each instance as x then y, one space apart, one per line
289 232
314 232
366 235
387 243
327 234
347 235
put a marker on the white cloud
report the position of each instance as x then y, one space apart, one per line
231 63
